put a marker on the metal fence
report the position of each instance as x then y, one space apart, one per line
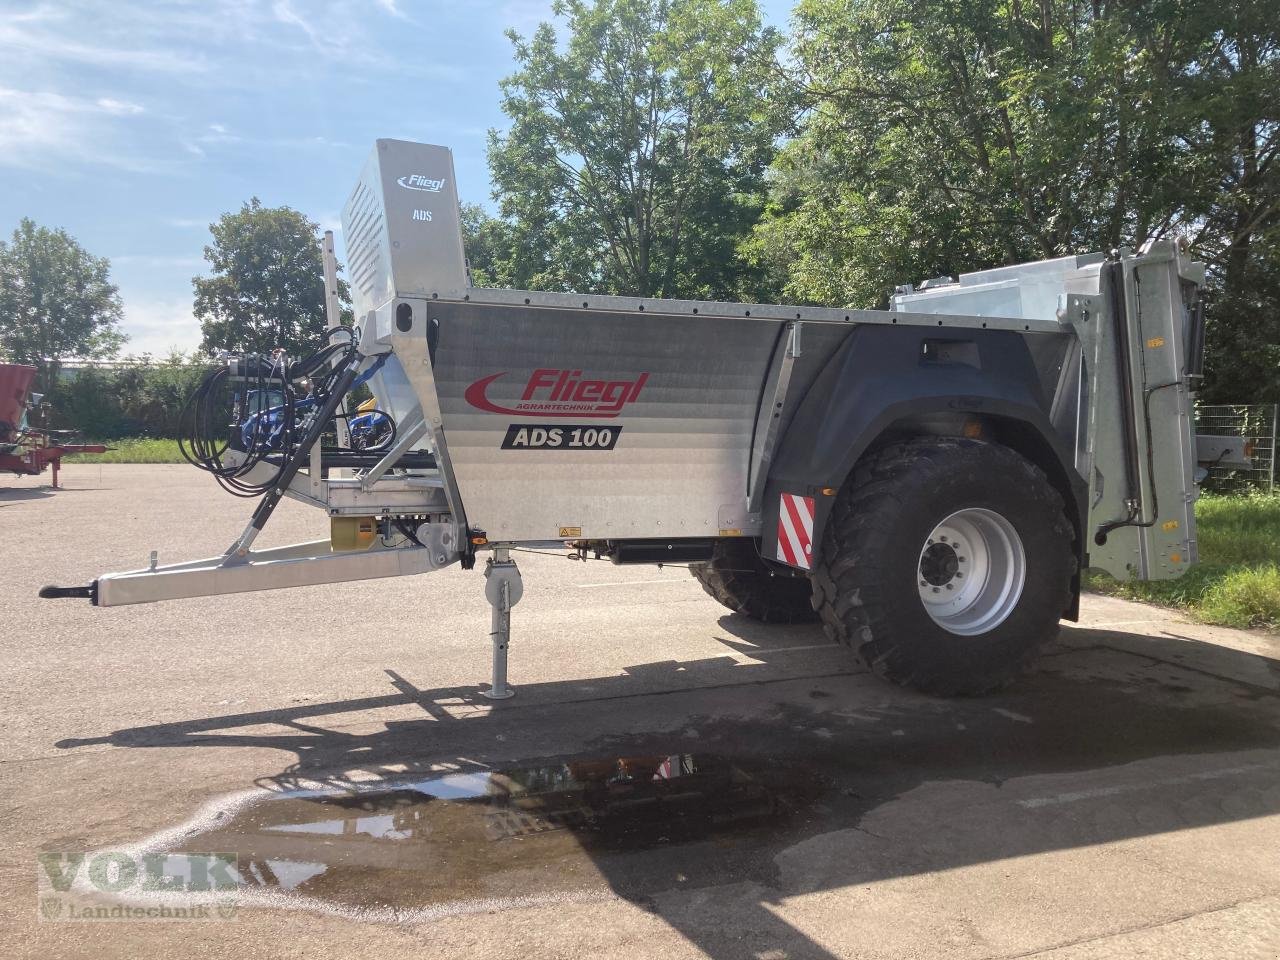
1257 423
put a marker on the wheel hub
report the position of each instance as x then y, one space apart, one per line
971 571
939 564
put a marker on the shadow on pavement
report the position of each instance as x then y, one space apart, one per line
764 786
18 494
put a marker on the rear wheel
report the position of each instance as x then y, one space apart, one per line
945 565
739 579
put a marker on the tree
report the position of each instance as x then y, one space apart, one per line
638 144
267 283
1237 230
487 241
942 136
56 301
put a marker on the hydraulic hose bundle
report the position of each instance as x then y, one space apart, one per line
262 407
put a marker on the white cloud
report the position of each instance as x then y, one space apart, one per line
230 43
46 35
157 325
39 126
157 261
52 52
391 7
119 108
218 133
341 30
330 43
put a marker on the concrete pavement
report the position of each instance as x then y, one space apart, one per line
1121 801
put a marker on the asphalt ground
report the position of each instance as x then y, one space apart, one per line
669 780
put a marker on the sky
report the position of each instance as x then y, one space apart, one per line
133 125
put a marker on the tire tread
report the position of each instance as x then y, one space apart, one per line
846 590
737 578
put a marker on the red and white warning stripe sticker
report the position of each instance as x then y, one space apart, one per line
795 530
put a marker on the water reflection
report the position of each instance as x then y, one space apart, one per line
555 828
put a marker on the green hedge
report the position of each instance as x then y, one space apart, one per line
137 401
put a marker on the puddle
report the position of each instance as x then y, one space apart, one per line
635 821
622 825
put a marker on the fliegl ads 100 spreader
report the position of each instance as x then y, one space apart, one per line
927 481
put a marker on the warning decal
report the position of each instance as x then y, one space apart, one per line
795 530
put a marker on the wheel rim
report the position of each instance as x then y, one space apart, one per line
971 571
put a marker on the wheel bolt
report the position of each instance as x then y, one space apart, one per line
959 574
935 589
948 586
943 539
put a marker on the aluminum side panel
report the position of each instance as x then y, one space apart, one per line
680 463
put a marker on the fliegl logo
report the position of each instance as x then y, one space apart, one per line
419 182
561 393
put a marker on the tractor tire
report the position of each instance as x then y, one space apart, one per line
739 579
945 565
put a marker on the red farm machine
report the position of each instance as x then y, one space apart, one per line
25 449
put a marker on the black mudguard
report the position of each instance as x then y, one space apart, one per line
883 375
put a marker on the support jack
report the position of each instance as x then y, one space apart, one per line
503 588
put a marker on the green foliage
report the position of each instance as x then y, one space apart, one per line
1247 597
56 301
145 399
267 283
1236 583
941 137
487 241
635 159
1239 530
1242 363
133 450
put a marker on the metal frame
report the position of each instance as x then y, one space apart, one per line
786 313
296 565
771 414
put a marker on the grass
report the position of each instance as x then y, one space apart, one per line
1237 582
133 450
